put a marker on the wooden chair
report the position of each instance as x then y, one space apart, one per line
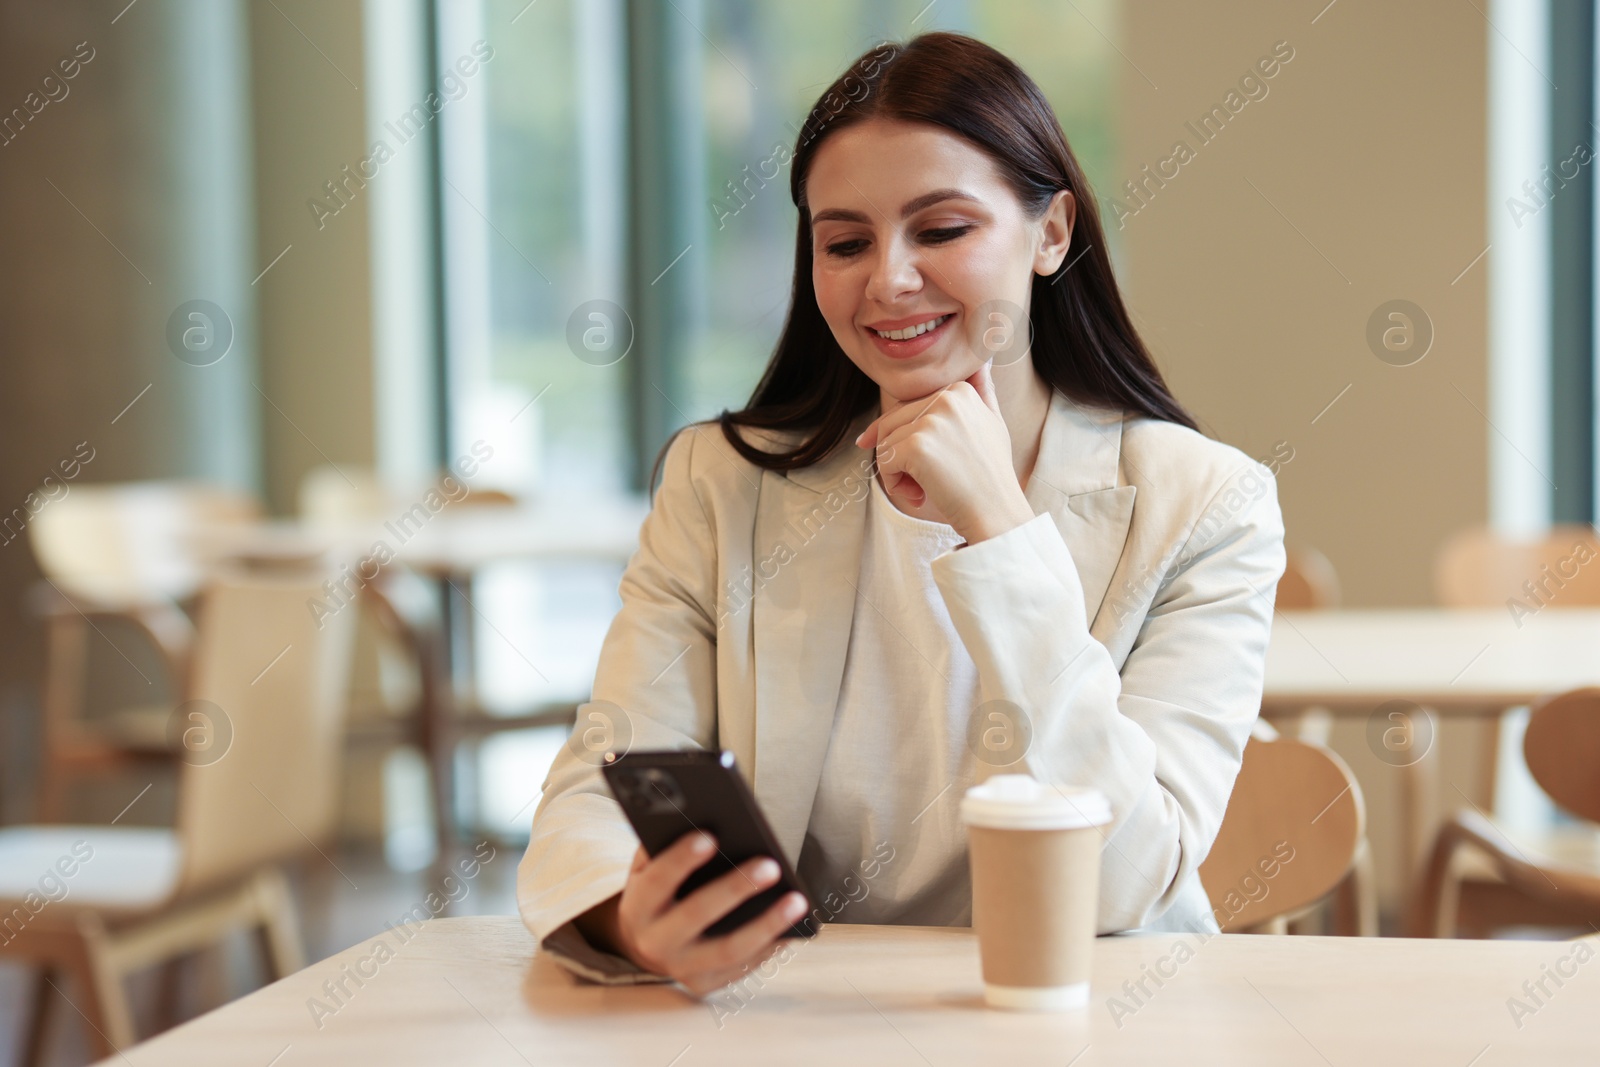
1294 829
1309 581
116 553
1478 568
1556 876
129 541
257 784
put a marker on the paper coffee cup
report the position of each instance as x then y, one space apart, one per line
1034 851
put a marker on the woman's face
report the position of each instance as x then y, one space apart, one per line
913 225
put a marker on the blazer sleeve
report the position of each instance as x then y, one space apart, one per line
1164 738
655 687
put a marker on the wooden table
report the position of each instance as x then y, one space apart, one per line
462 539
474 991
456 540
1453 663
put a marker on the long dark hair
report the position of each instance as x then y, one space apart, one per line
1084 344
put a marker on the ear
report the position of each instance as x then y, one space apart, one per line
1056 235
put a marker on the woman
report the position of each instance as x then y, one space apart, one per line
928 550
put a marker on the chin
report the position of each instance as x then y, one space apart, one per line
910 386
913 382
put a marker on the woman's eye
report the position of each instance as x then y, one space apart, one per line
943 234
936 236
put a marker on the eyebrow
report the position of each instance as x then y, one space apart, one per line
911 207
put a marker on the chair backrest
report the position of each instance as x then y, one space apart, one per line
490 498
130 542
331 495
1562 749
1309 581
265 711
1289 835
1478 568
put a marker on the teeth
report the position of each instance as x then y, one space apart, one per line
911 331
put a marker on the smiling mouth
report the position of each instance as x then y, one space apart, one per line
912 331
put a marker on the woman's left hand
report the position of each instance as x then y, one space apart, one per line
948 456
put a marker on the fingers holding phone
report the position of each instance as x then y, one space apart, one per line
731 956
718 892
712 981
663 934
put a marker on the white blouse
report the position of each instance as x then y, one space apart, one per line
885 842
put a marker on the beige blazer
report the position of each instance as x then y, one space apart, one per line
1131 627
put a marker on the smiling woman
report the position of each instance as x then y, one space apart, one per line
969 135
1019 466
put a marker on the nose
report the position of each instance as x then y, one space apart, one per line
895 271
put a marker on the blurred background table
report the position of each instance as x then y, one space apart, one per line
1399 668
1452 661
453 541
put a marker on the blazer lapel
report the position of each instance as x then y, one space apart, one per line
1075 480
808 535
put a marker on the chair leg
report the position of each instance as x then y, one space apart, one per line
439 750
1489 731
438 663
169 977
66 657
1355 899
1365 885
280 928
1433 908
1343 917
1310 924
38 1018
1418 801
102 1001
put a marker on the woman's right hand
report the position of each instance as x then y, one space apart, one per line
662 934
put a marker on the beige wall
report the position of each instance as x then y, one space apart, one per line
1359 178
108 222
316 335
315 305
1370 146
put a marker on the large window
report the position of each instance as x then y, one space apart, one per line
533 207
594 194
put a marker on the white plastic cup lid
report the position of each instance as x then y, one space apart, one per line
1020 802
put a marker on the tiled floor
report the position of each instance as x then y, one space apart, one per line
342 902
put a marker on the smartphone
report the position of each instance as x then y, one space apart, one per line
669 793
